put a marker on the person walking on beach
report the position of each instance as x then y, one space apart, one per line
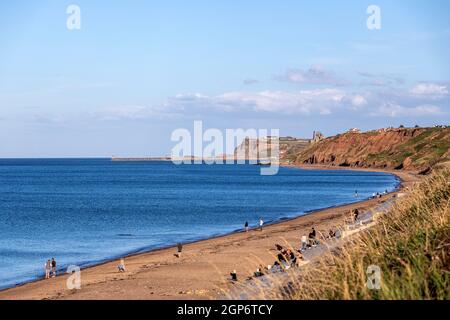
48 268
261 223
53 268
180 249
246 226
121 265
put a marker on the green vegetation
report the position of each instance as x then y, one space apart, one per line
430 145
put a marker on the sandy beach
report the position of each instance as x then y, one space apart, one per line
202 271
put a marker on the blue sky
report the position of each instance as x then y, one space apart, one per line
137 70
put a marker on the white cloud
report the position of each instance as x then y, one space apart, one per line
359 101
430 90
388 102
394 110
317 101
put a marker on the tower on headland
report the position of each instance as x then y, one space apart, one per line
317 136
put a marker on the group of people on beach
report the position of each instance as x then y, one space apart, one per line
260 225
287 258
50 268
310 242
374 195
379 195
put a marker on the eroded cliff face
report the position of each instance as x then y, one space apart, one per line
253 149
411 149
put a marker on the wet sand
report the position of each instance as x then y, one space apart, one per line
202 271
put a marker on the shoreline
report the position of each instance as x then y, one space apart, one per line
93 264
46 289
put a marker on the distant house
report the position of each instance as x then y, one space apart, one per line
382 130
354 130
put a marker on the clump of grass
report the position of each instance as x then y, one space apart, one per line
410 245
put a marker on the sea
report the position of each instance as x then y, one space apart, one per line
86 211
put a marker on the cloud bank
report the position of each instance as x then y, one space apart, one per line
423 99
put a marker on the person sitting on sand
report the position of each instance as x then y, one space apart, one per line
312 238
48 268
281 258
121 266
292 258
261 268
356 214
281 249
283 255
233 275
304 244
331 234
276 267
258 273
284 258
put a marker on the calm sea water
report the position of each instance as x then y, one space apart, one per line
83 211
